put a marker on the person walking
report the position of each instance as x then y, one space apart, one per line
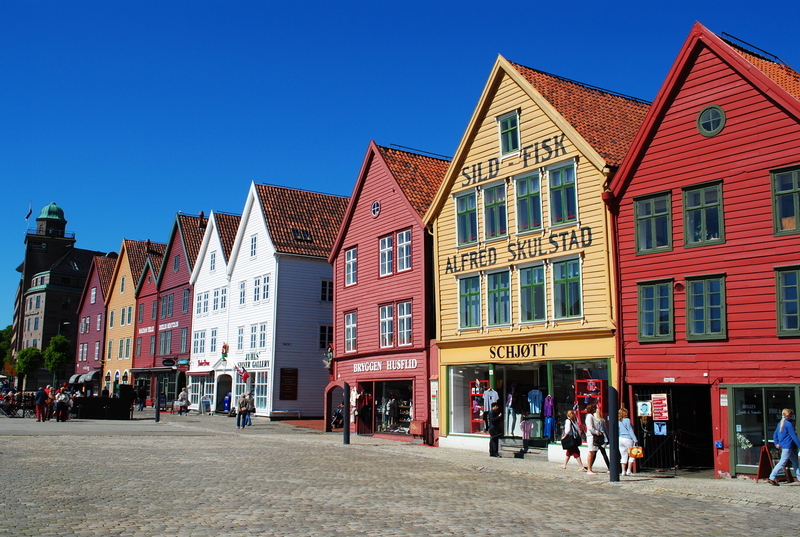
40 399
786 438
142 395
572 428
251 407
62 405
241 417
495 429
627 439
183 400
595 436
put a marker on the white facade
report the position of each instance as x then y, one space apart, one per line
209 325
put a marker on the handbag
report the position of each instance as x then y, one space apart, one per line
568 442
635 452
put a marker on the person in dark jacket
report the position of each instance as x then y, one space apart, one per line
40 399
786 438
495 429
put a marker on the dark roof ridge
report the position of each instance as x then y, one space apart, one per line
297 190
588 86
416 152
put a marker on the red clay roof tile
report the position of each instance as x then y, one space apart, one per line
192 229
419 176
105 271
138 254
606 120
288 209
782 74
227 226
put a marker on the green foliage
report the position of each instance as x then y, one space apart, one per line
5 345
29 360
58 354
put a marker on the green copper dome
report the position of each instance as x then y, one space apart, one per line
52 212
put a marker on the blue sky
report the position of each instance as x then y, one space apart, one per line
124 113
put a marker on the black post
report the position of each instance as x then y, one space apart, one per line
158 399
346 422
613 433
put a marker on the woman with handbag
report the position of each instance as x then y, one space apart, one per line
627 439
594 436
571 440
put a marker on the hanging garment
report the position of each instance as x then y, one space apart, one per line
535 401
526 429
549 425
489 397
548 406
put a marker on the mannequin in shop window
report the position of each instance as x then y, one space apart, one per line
392 409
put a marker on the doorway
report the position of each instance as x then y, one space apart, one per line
224 387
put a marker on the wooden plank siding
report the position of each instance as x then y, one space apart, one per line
114 303
148 293
172 282
93 334
758 136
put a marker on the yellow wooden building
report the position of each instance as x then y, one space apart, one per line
121 311
524 260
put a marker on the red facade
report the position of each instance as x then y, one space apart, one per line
383 367
92 323
715 372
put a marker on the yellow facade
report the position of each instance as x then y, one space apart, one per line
120 326
505 328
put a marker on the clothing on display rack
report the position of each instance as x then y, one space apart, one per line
489 397
549 426
535 401
526 429
548 406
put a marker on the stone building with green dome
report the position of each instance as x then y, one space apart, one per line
52 275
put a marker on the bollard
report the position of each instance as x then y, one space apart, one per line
613 433
346 422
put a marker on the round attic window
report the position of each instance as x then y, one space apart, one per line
376 208
711 120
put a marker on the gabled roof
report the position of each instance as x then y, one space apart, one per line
418 177
75 260
137 253
154 260
227 226
288 209
601 124
191 229
777 82
104 266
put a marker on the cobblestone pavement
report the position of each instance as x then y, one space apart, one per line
201 476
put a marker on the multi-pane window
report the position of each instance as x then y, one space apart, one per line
567 289
199 304
327 291
655 311
164 307
38 301
97 350
531 294
155 310
99 321
498 288
122 316
653 223
169 303
253 336
262 336
184 336
705 308
469 296
185 308
265 292
196 342
152 345
467 217
165 342
786 200
494 203
212 262
786 281
242 295
350 331
509 133
141 312
260 389
110 349
202 347
94 294
36 323
404 323
223 294
253 243
215 301
257 289
176 263
529 203
350 266
563 196
387 326
404 250
205 302
111 319
325 336
121 354
122 285
138 347
386 255
702 213
213 341
240 338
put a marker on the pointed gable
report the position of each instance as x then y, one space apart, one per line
418 175
105 271
227 225
192 229
301 222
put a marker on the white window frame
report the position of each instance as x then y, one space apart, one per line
265 290
122 285
542 193
212 261
242 293
545 266
212 345
350 331
96 350
257 289
199 309
351 266
386 249
405 333
99 321
223 298
552 271
202 342
196 342
240 339
387 326
94 294
253 246
253 334
262 336
404 251
205 303
215 301
548 168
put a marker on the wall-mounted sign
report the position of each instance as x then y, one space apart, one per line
147 329
288 384
167 326
390 365
723 399
203 362
660 407
167 362
644 408
517 351
530 154
183 361
660 428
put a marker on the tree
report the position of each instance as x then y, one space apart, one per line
5 346
28 361
58 354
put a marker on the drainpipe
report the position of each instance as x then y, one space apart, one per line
611 203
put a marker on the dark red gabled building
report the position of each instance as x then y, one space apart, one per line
708 238
89 355
383 333
145 340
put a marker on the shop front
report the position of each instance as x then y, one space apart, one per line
388 395
535 383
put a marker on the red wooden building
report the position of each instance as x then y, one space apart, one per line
383 344
708 240
145 335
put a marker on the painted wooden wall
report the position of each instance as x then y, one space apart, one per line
92 335
116 301
148 326
175 282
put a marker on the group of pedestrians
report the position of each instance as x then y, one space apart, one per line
597 437
50 402
246 405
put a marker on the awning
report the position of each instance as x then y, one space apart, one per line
198 373
92 376
74 378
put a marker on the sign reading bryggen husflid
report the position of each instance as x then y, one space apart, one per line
523 271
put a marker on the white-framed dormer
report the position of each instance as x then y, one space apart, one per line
532 276
559 176
508 134
562 274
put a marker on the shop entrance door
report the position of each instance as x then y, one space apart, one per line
224 386
756 414
687 441
365 408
